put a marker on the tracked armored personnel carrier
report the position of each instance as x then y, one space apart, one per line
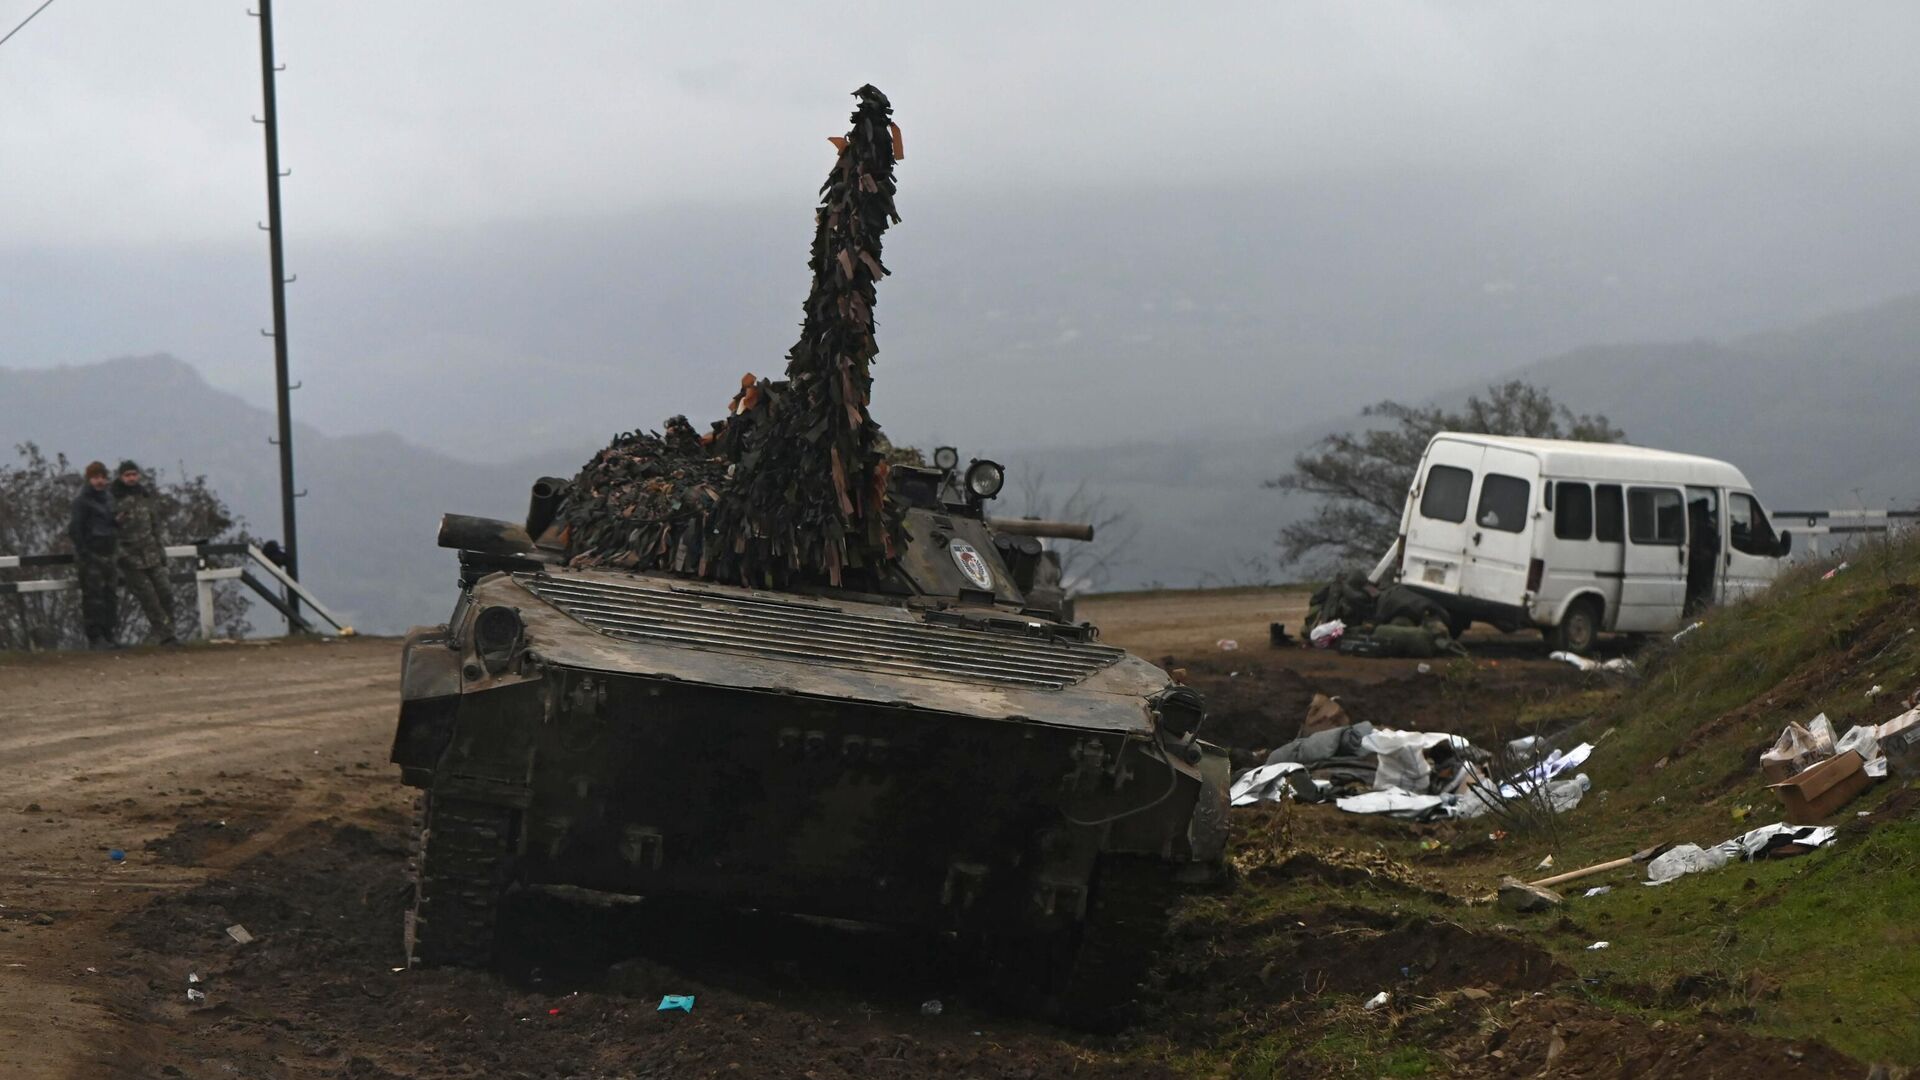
946 752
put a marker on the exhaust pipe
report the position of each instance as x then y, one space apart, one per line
548 493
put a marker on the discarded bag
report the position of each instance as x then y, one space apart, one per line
1798 748
1768 841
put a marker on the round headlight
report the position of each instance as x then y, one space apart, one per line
496 633
946 457
984 478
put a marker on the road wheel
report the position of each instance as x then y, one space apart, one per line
1578 629
462 867
1458 624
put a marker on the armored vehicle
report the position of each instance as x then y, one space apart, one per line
946 752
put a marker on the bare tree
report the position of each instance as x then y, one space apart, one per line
1362 477
1085 566
36 497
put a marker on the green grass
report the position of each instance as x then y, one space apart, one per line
1822 946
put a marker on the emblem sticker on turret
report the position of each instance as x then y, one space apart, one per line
968 559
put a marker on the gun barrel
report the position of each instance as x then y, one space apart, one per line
1054 530
485 535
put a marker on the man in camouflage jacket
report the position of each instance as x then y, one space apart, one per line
143 551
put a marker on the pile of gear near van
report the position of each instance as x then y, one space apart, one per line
1350 614
778 664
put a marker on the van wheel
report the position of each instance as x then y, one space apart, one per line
1578 629
1458 624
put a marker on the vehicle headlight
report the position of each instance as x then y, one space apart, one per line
946 457
496 635
984 478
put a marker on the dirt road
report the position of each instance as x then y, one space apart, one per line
105 752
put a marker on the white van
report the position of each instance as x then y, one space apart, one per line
1579 538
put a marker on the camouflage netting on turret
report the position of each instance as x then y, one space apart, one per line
792 485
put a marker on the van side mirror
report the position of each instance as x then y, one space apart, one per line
1786 543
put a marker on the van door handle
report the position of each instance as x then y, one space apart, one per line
1476 539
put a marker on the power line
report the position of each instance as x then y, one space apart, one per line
25 21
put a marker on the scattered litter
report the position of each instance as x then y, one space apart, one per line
192 978
1226 644
1327 634
1864 739
1497 835
683 1002
1799 748
239 933
932 1007
1688 629
1685 859
195 996
1598 945
116 855
1378 1001
1424 668
1831 574
1774 841
1598 890
1545 864
1619 665
1263 784
1740 812
1429 845
1392 801
1875 691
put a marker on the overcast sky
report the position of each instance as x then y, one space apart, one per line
1718 166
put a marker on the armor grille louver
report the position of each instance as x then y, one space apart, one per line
818 634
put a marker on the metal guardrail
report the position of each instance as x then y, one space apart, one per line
1814 524
203 578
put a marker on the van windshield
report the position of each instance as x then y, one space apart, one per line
1503 503
1445 498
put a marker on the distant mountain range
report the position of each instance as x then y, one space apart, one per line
1817 415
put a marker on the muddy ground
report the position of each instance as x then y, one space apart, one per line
247 785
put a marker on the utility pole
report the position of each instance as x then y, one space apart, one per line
277 255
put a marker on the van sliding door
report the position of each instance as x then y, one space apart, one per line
1654 584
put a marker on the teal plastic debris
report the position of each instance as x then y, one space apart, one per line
683 1002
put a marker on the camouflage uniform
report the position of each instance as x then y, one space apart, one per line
92 532
143 556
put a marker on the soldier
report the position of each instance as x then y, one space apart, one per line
143 551
91 528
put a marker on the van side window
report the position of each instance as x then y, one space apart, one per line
1504 502
1609 515
1573 511
1446 496
1656 516
1751 532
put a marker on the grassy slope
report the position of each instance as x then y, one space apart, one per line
1823 947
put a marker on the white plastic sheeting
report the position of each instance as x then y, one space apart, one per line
1694 859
